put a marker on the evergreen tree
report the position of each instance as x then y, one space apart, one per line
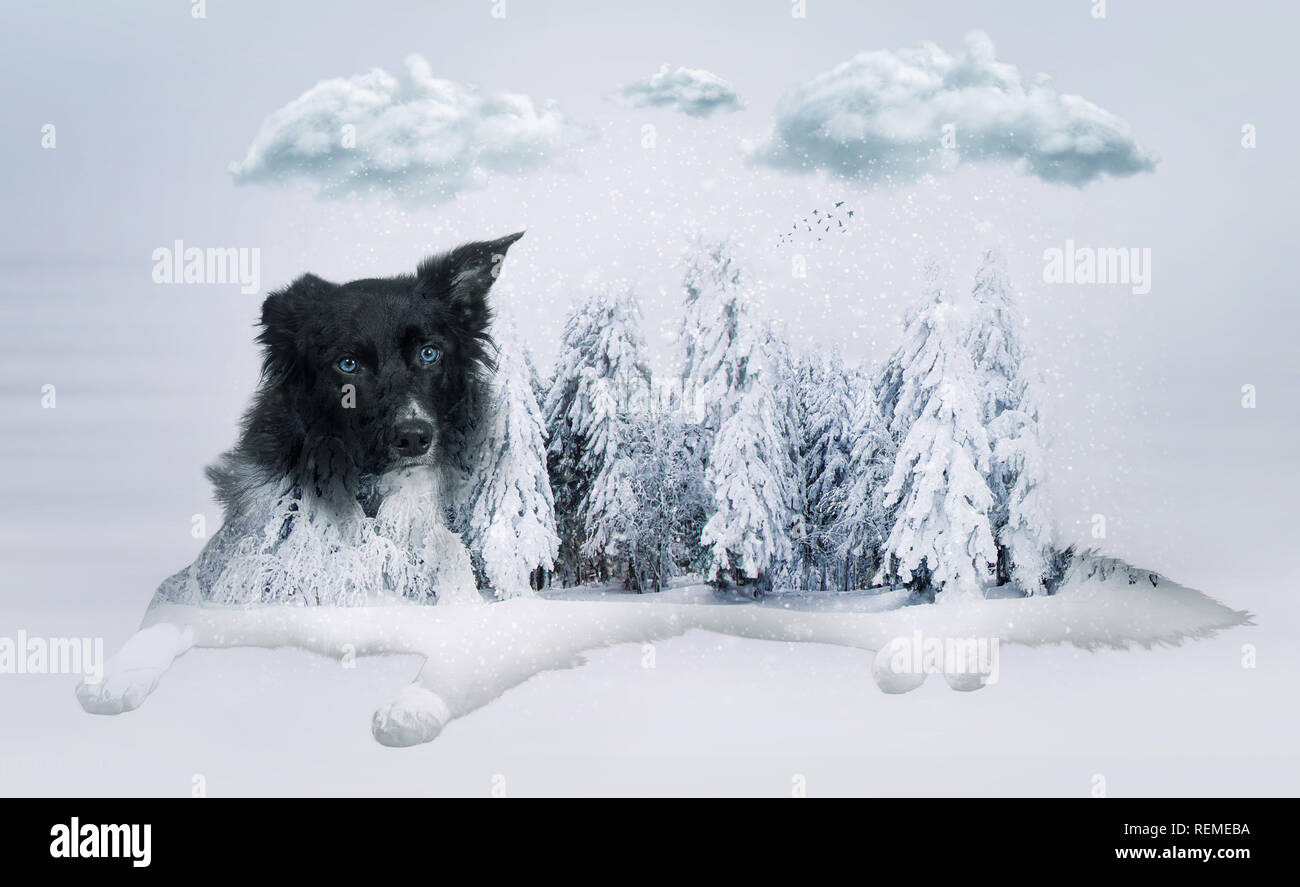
669 498
732 365
600 379
993 338
825 412
511 516
861 509
1024 532
940 540
1020 514
541 386
713 286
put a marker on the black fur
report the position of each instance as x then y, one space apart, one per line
299 427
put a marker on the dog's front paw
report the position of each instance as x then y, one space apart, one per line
119 691
893 669
131 675
417 715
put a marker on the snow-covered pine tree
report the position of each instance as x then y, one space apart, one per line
940 540
617 384
568 482
994 337
511 517
748 535
669 498
806 377
887 381
1020 515
824 408
1025 537
732 366
601 378
712 285
607 510
789 429
566 462
541 386
860 500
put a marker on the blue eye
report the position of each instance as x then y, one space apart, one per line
347 364
428 354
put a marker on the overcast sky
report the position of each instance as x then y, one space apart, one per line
219 132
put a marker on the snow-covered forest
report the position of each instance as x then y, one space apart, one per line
763 465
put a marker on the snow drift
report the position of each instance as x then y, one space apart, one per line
475 653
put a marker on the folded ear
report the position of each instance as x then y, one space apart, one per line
463 277
283 314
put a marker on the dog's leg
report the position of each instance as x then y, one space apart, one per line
131 675
416 715
461 674
450 687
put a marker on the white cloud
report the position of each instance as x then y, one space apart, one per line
416 136
693 92
880 117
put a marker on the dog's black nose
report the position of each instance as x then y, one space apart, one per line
414 437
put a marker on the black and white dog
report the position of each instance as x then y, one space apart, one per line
364 425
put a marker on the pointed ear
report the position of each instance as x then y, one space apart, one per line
463 277
283 314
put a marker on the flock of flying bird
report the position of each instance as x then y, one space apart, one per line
820 223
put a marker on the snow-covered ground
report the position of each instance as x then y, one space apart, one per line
476 652
716 714
693 711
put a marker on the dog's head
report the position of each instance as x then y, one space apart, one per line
382 369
